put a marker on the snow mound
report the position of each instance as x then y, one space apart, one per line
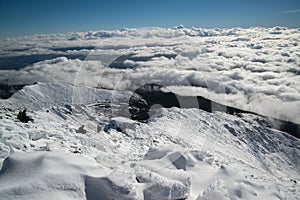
199 174
46 176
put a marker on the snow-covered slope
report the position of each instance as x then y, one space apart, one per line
42 95
74 150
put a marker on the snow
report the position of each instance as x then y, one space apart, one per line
46 175
177 154
42 95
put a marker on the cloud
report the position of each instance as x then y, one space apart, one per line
237 67
292 11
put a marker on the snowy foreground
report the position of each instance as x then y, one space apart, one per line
73 151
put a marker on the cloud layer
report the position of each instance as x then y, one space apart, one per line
256 69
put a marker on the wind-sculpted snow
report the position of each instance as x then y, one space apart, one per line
178 154
255 69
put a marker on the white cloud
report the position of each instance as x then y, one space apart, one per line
292 11
253 69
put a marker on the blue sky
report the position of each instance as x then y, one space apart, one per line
26 17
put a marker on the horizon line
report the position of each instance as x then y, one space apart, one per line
145 27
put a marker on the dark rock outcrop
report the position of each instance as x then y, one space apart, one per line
23 117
